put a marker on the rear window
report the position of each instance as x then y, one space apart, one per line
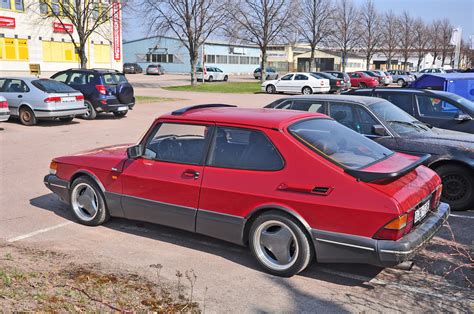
338 143
52 86
114 78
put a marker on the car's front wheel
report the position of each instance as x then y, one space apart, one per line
210 79
279 244
270 89
120 114
27 116
91 113
458 186
401 82
88 203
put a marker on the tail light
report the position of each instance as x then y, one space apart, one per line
53 167
80 97
436 197
322 83
338 83
4 104
52 99
101 89
396 228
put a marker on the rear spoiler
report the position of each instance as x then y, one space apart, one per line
367 176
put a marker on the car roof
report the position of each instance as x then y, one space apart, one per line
364 100
257 117
398 90
23 78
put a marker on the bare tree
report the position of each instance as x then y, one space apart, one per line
435 41
390 37
191 21
87 17
445 32
345 34
370 30
420 40
405 22
314 24
260 22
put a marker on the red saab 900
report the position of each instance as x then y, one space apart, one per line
292 185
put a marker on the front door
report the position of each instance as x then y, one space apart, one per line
15 91
285 83
163 185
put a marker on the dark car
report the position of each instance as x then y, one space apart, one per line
104 90
272 74
132 68
452 153
336 84
343 76
438 108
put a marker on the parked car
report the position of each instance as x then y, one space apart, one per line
335 83
304 83
357 201
104 90
386 78
30 99
4 111
452 153
426 71
211 74
400 77
378 76
341 75
155 69
271 73
132 68
437 108
361 79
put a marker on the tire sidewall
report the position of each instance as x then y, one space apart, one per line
102 211
93 112
307 88
468 201
305 253
270 89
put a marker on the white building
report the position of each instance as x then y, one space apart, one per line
28 36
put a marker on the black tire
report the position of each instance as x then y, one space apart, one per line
362 85
66 119
306 90
27 116
210 79
102 214
302 255
270 89
226 78
91 113
401 82
458 186
120 114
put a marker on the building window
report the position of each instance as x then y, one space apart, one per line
244 60
55 51
101 54
254 60
160 57
16 5
221 59
210 58
13 49
233 59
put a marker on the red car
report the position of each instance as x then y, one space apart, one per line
363 80
292 185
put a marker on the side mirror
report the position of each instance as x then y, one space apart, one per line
379 130
134 151
462 117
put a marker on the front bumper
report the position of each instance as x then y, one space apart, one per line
4 115
44 113
57 186
334 247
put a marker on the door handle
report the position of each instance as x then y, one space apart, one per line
190 173
20 96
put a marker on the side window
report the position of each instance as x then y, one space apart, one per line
284 105
365 121
15 86
287 77
434 107
403 101
308 105
301 77
2 84
61 77
77 78
246 149
179 143
342 113
356 75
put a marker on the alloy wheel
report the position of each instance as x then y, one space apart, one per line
84 202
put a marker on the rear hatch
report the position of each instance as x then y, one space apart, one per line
59 95
116 83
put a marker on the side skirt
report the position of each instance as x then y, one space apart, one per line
221 226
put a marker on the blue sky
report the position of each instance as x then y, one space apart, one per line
459 12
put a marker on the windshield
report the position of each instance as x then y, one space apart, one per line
338 143
114 78
398 119
52 86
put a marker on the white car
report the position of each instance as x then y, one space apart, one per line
297 83
4 111
211 74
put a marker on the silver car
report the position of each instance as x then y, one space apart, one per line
401 77
387 79
30 99
4 111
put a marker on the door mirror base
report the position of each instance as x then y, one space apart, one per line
134 151
462 117
378 129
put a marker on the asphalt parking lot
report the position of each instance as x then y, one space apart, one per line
228 277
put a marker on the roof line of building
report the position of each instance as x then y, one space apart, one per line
208 42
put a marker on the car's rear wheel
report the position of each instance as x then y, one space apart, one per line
88 203
91 113
362 85
401 82
27 116
458 186
226 78
306 90
210 79
120 114
279 244
270 89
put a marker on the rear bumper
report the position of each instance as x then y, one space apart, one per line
57 186
334 247
44 113
4 115
112 104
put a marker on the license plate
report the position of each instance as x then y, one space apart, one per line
421 212
122 108
68 99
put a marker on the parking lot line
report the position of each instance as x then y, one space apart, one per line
32 234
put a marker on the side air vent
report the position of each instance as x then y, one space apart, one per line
321 190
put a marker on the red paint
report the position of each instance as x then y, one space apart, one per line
351 207
116 30
6 21
369 81
63 28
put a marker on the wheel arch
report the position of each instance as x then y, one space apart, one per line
307 86
24 104
442 162
89 174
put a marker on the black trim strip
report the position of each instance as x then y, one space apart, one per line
62 110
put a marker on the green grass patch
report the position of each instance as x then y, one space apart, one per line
152 99
220 87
